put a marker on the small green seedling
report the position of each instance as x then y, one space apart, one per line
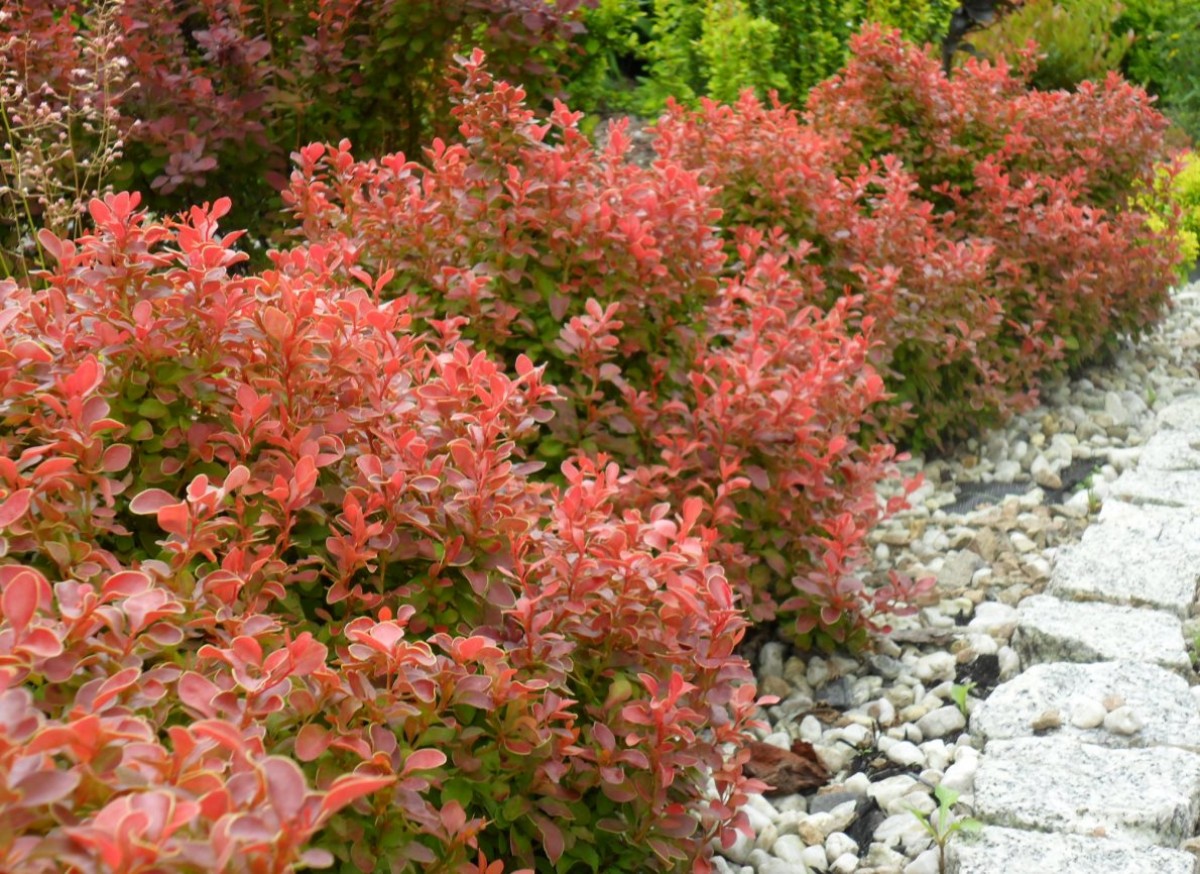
941 823
960 694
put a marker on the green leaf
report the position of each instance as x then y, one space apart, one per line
152 408
551 448
515 808
437 735
459 790
546 284
169 373
586 853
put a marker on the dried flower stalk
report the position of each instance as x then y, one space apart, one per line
61 141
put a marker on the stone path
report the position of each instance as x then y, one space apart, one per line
1092 756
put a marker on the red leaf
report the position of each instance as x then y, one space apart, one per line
247 650
151 501
224 733
552 837
316 858
469 648
82 736
423 760
46 787
286 786
14 506
19 600
42 643
114 686
198 693
349 787
164 635
116 458
173 518
453 817
10 572
50 243
223 585
237 478
28 350
425 484
52 467
311 742
276 323
126 584
85 378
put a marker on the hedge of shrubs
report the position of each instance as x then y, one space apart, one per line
430 545
990 229
212 96
730 388
275 566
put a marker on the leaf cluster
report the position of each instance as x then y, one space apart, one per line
277 588
706 380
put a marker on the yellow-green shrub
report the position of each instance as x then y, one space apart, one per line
1185 191
639 52
1176 186
1075 38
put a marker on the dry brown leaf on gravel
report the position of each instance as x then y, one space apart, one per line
786 771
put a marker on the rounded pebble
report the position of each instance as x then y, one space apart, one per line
1123 721
1087 713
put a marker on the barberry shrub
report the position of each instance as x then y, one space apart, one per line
993 232
868 232
770 424
1051 183
277 589
614 275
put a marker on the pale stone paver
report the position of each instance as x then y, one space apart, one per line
1084 798
1052 630
1000 850
1171 450
1164 488
1142 796
1160 698
1183 415
1138 555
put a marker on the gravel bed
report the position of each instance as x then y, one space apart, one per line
886 725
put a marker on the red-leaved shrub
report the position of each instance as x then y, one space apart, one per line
872 235
1048 180
992 232
276 588
613 274
768 424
